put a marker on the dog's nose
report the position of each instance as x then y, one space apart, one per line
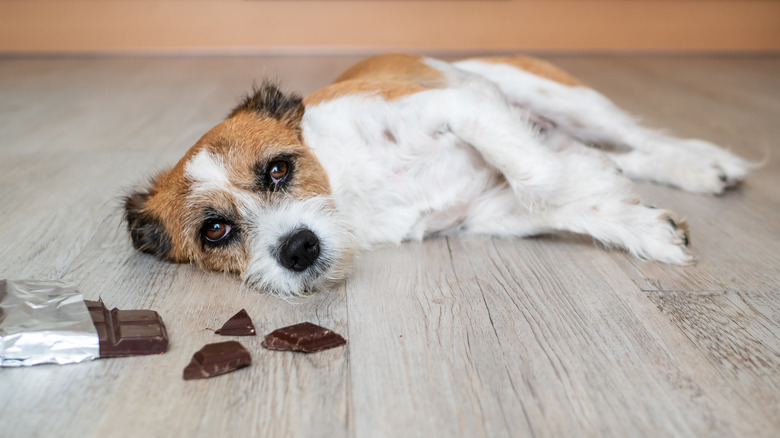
299 250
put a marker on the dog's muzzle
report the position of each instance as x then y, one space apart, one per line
299 250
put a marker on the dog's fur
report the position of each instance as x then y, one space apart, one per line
399 147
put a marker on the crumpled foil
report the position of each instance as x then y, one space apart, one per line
44 322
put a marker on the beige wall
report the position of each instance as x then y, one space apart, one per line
364 25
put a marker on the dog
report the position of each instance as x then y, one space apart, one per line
285 191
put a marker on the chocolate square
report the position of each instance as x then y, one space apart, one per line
305 337
217 359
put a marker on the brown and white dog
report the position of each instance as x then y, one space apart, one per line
400 147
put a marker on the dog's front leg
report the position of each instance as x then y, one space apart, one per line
569 190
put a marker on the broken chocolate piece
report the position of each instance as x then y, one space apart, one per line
217 359
305 337
239 325
128 332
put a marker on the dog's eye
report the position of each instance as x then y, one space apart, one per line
216 231
277 170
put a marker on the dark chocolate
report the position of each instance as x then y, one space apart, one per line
217 359
305 337
128 332
239 325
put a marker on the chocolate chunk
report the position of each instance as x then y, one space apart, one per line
217 359
239 325
128 332
305 337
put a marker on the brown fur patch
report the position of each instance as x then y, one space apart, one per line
388 76
394 67
536 67
387 90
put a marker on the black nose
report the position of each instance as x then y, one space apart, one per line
299 250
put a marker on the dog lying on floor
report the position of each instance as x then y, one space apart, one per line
400 147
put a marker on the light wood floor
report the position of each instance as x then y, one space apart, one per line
551 336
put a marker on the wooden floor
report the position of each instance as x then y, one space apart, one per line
551 336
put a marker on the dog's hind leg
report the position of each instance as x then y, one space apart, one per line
573 190
588 116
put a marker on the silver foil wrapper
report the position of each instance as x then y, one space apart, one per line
44 322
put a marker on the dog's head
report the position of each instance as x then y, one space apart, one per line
249 198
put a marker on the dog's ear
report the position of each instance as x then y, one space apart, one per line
269 101
146 229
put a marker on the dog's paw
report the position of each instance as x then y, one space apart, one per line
706 178
663 238
711 170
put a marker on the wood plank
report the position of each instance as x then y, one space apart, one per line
512 338
56 206
416 370
738 332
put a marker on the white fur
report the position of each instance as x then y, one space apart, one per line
207 171
269 223
400 188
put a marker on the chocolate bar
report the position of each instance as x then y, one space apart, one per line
239 325
305 337
128 332
217 359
